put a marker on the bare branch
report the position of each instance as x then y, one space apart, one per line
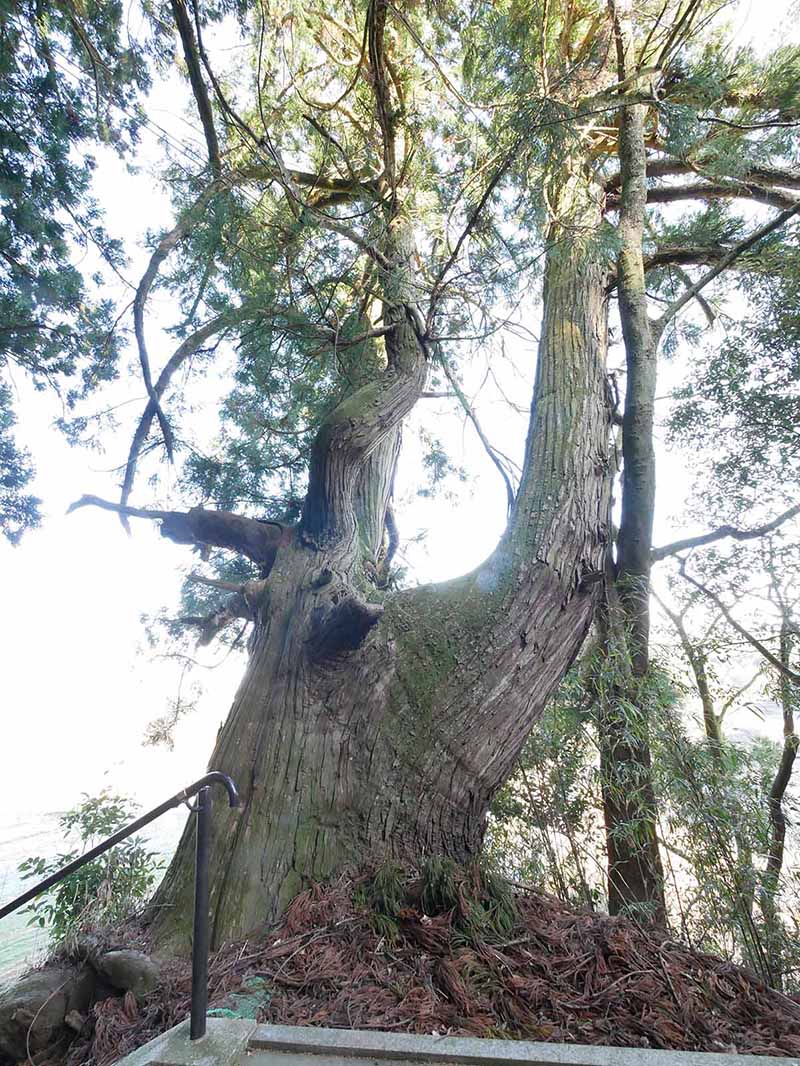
490 451
186 349
656 168
162 250
215 583
211 624
784 670
738 250
704 305
471 222
769 125
706 190
723 533
684 256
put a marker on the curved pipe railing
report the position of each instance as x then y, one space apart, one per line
200 941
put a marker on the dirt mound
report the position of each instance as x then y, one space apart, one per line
459 958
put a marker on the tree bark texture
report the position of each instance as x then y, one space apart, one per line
372 730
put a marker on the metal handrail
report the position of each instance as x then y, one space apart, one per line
200 941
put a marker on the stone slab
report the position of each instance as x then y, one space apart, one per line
237 1042
385 1048
223 1044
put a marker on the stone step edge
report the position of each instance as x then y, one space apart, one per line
479 1051
232 1042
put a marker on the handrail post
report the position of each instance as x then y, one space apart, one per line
200 940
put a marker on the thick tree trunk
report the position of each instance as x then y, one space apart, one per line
353 739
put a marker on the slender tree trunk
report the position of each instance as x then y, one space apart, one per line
364 731
733 852
774 933
635 873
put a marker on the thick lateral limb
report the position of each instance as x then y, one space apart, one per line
259 541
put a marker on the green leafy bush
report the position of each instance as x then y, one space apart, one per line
105 890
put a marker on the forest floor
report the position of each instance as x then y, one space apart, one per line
554 974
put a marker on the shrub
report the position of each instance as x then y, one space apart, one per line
106 890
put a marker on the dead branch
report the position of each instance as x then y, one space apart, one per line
258 541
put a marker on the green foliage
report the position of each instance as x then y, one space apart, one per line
19 510
712 816
739 412
66 82
544 825
106 890
479 901
438 467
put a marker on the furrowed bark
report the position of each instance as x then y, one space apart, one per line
364 420
391 744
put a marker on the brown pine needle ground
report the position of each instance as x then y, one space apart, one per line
558 975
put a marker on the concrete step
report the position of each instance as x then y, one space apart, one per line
236 1042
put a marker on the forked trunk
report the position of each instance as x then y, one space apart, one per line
355 739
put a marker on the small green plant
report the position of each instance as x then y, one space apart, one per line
105 890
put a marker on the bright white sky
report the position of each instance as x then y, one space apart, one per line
76 694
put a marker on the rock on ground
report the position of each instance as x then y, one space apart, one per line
32 1011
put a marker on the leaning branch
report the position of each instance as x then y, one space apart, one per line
490 451
184 24
684 255
735 252
784 670
162 250
183 352
707 190
723 533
